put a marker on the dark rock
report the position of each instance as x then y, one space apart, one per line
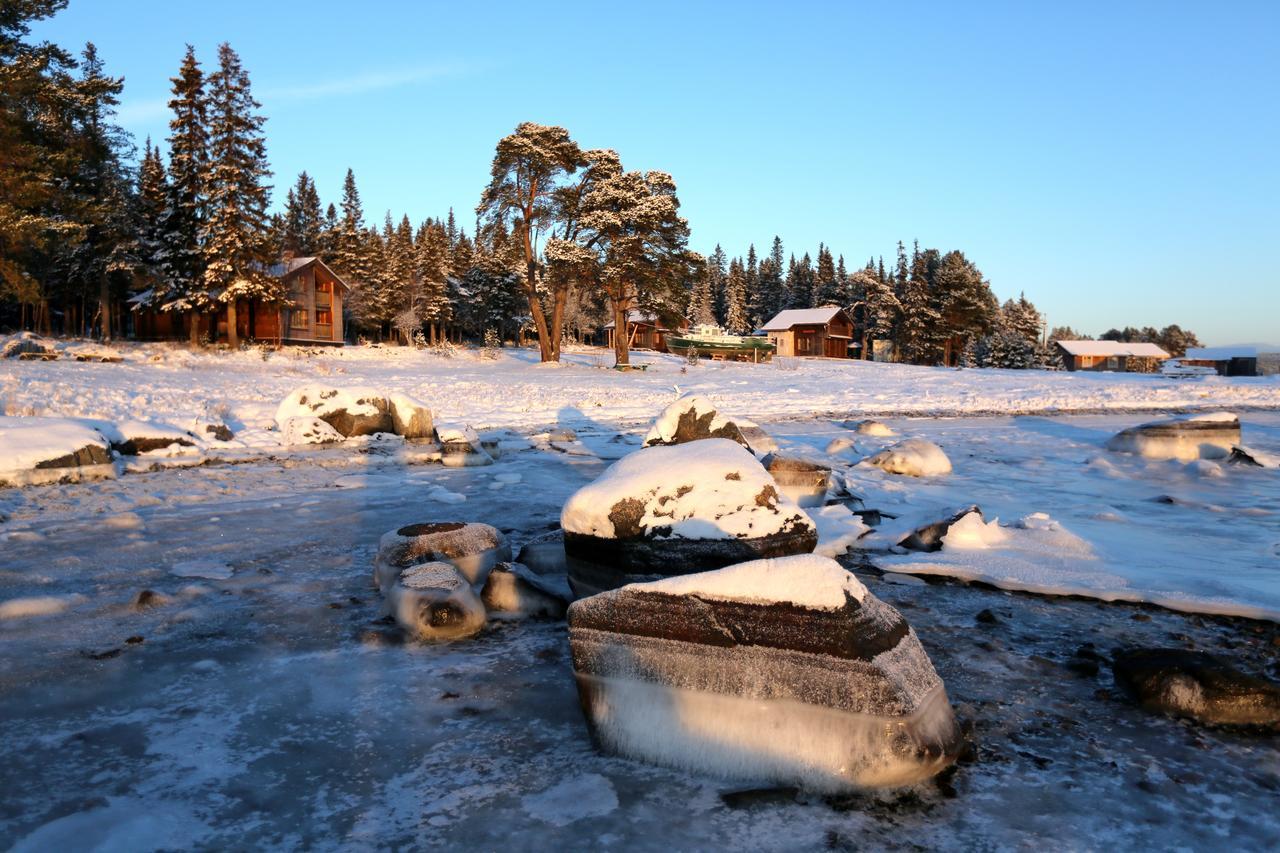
90 454
928 537
1197 685
134 640
747 797
220 432
545 556
147 598
1240 456
986 617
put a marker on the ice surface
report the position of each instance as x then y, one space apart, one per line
805 580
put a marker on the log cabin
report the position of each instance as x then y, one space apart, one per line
644 331
312 316
1110 356
825 332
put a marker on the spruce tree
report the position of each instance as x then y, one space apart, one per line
432 269
827 288
737 316
717 277
752 272
303 218
153 199
184 262
235 234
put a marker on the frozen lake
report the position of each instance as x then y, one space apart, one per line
261 701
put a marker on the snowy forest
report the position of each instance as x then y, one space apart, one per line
564 239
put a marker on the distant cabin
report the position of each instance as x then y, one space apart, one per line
644 331
1110 356
825 331
313 315
1246 360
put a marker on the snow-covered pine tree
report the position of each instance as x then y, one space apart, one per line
153 199
701 301
350 247
303 218
737 318
965 302
327 245
431 249
827 287
235 235
753 288
184 287
717 278
772 294
881 309
800 282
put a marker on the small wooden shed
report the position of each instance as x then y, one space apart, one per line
825 331
644 331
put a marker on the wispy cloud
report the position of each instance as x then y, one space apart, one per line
143 111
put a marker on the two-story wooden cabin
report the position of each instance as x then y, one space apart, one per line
825 331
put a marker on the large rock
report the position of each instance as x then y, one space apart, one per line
461 447
804 481
307 429
913 457
674 510
1197 685
61 448
472 548
26 344
1209 436
350 411
758 441
784 671
692 418
434 602
928 537
545 555
410 418
512 591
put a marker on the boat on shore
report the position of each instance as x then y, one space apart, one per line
711 341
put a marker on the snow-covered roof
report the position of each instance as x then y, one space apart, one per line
142 298
636 316
1228 353
801 317
1112 348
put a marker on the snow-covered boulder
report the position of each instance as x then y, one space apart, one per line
931 535
410 418
913 457
350 411
45 450
803 480
433 601
1198 685
26 343
136 437
679 509
1209 436
512 591
786 671
841 445
691 418
869 427
472 548
461 446
307 429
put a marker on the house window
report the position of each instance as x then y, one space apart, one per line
298 319
324 317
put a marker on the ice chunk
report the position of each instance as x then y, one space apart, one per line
807 580
1207 436
971 532
839 528
433 601
804 481
914 457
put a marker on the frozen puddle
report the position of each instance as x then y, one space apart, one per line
209 569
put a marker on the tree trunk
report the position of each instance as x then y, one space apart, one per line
233 334
104 306
621 342
195 329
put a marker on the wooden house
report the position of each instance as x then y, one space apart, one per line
644 331
1244 360
1111 356
825 331
312 316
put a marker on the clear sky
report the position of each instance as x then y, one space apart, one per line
1118 162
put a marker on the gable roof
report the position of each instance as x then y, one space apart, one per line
1112 348
802 317
641 317
288 266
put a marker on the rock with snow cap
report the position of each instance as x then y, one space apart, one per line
27 344
473 548
786 671
804 481
675 510
136 437
434 602
692 418
460 446
350 411
410 418
912 457
929 537
1207 436
512 591
44 450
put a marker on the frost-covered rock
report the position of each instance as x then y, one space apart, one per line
472 548
545 555
410 418
307 429
691 418
136 437
914 457
931 536
1251 458
758 441
433 601
785 671
679 509
350 411
869 427
460 446
42 450
512 591
1208 436
1197 685
804 481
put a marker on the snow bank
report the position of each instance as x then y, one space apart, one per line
805 580
710 489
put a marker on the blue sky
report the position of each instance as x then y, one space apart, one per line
1117 162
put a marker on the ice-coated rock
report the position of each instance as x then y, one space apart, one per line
1252 458
784 671
804 481
1208 436
512 591
460 446
929 537
1197 685
869 427
410 418
41 450
433 601
669 510
545 555
758 441
914 457
692 418
472 548
350 411
307 429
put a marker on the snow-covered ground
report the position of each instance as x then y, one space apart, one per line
255 698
